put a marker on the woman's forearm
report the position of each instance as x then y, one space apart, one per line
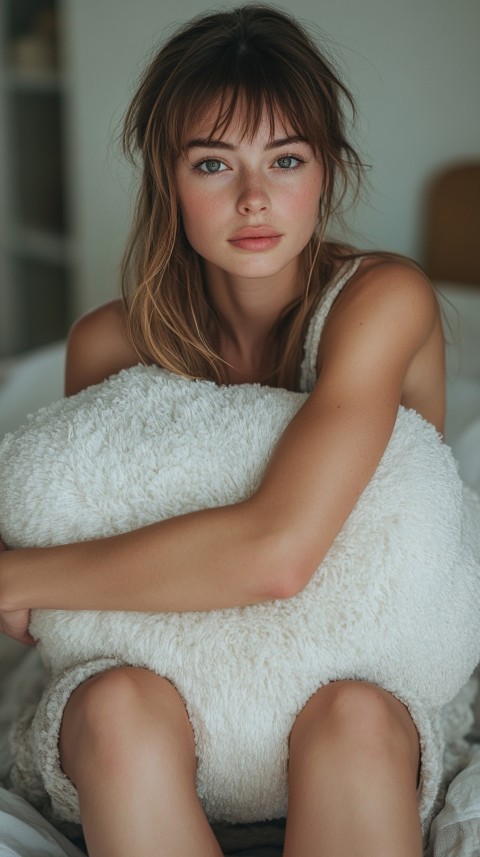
206 560
264 548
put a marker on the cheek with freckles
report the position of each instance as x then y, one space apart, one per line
303 215
202 216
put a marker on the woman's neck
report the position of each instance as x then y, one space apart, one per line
248 310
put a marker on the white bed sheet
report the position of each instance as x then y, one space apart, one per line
24 833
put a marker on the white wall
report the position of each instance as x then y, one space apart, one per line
413 65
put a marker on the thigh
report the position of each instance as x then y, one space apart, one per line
358 709
119 704
353 767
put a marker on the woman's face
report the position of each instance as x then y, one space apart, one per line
249 207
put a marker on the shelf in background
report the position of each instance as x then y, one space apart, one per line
41 81
44 245
42 301
37 170
37 261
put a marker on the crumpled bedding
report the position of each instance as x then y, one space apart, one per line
394 602
24 832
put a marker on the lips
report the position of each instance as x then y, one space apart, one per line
255 232
255 238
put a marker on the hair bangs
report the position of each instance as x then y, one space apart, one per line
242 89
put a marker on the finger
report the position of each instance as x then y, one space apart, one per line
22 636
25 638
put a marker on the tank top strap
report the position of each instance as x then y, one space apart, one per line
308 368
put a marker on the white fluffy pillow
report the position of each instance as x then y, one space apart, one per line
394 602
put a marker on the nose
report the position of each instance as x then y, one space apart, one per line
252 197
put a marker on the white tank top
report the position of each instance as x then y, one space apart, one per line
308 368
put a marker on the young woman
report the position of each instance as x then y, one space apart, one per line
239 123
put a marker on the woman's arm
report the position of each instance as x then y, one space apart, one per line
15 622
268 546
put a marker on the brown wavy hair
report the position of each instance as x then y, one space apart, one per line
260 60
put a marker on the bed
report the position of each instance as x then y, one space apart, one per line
35 379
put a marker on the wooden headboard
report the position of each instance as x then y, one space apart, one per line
452 234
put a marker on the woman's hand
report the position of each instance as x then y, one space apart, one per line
15 623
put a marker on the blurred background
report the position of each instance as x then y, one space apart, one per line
68 69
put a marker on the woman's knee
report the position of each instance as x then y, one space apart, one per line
114 713
362 716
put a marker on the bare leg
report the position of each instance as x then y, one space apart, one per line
127 744
354 760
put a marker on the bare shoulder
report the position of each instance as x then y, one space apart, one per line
97 347
389 280
388 301
383 341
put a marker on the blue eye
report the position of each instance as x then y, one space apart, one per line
212 165
289 162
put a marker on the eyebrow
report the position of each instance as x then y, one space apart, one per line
207 143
